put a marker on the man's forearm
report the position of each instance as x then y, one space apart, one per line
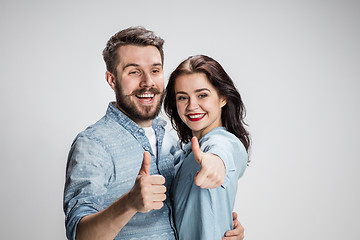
148 193
107 223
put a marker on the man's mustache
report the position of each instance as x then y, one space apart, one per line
144 90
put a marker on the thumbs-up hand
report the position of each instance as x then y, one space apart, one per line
148 192
212 172
145 166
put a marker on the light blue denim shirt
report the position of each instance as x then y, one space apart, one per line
103 163
207 213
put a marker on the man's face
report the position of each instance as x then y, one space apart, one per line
139 82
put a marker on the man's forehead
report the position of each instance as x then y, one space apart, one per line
142 56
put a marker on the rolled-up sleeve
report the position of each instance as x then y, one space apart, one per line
88 172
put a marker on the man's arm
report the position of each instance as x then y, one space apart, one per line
237 233
107 223
148 193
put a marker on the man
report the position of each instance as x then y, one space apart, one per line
120 169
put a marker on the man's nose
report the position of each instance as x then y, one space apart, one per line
147 81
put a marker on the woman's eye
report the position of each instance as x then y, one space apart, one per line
182 98
202 95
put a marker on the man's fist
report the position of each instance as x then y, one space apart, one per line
148 192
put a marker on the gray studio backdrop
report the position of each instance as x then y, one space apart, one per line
296 64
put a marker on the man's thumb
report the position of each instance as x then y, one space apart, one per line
145 167
198 154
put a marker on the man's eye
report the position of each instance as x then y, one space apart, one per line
203 95
134 72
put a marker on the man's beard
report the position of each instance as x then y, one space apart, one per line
130 109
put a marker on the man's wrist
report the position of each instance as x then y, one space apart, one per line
125 204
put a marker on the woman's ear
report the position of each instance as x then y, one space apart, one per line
110 78
223 101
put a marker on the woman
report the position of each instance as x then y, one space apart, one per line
203 104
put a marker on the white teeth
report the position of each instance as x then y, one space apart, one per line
197 115
147 95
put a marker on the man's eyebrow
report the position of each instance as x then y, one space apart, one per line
137 65
130 65
156 65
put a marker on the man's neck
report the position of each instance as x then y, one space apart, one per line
144 123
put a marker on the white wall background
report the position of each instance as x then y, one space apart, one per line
296 64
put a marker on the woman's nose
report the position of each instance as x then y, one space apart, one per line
193 104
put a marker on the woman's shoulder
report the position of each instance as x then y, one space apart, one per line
220 136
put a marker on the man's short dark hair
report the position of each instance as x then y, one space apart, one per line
138 36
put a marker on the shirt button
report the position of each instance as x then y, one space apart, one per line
147 148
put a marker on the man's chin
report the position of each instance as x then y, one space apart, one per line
148 115
138 111
140 114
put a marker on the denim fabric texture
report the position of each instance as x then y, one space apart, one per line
206 214
103 163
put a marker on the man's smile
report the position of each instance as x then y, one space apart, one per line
147 95
146 98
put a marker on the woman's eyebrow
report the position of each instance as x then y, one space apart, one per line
202 89
181 92
197 90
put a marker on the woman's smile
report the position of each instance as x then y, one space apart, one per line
196 116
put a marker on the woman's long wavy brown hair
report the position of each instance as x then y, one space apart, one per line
233 113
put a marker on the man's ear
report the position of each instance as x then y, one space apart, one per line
223 101
110 78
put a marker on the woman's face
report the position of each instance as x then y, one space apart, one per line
198 103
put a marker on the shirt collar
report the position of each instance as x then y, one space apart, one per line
187 147
121 118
